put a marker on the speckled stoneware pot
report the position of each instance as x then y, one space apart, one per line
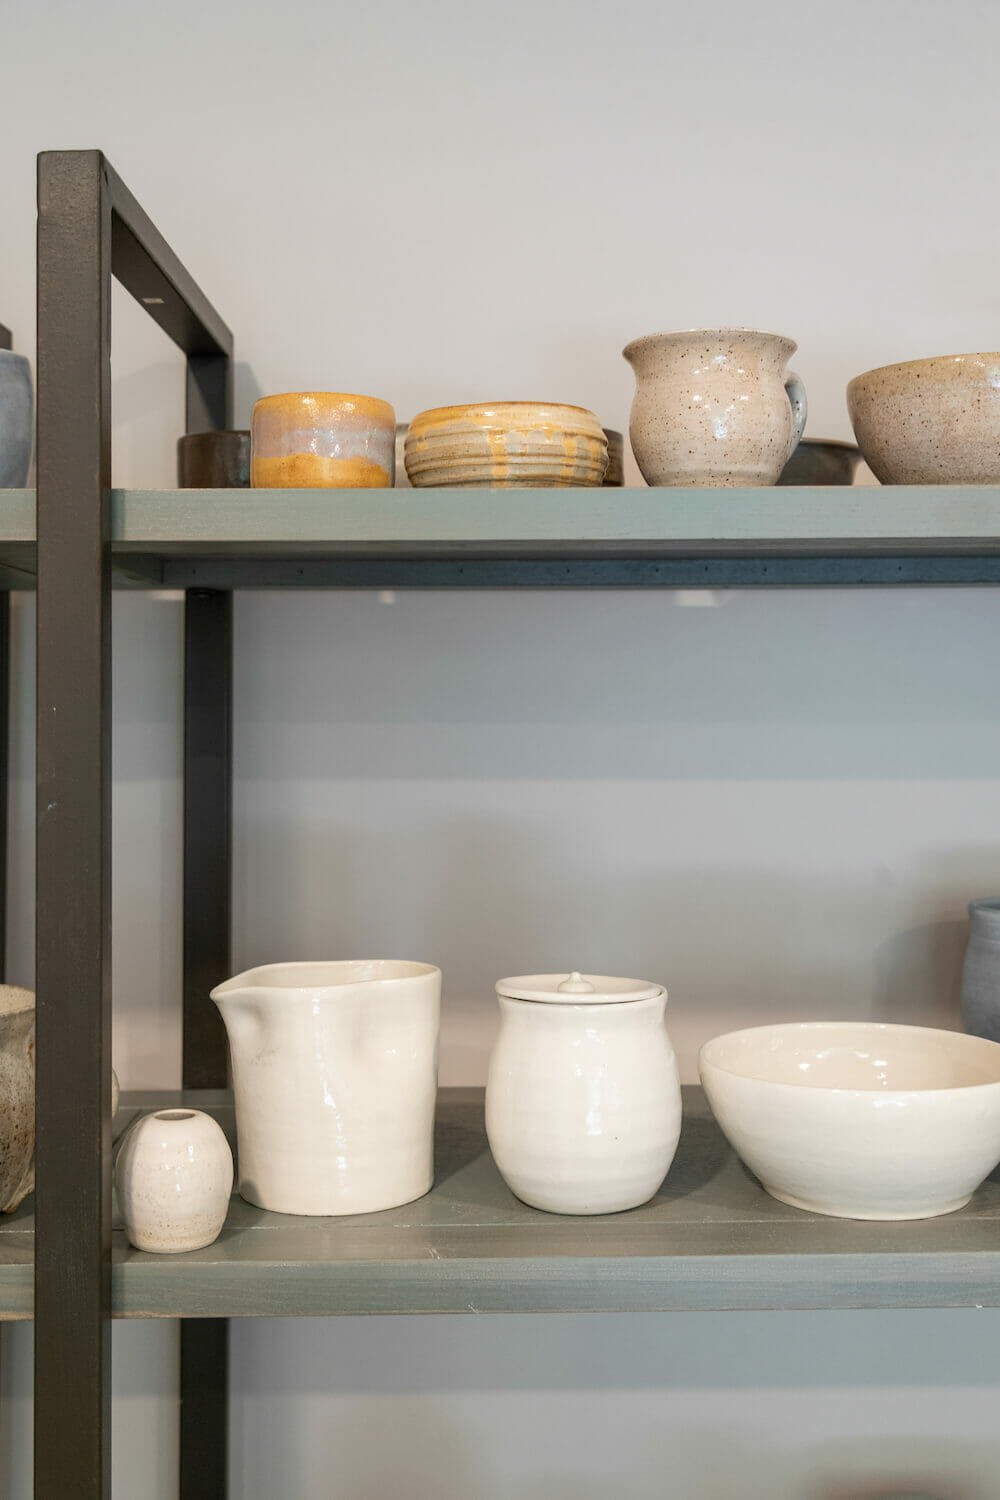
322 440
506 445
714 406
17 1095
17 420
930 421
822 461
174 1176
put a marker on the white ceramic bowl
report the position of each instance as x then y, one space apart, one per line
857 1119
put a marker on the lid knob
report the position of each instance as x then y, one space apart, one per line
576 985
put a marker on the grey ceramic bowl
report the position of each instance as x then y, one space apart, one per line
17 420
822 461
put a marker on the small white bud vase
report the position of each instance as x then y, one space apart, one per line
174 1176
583 1101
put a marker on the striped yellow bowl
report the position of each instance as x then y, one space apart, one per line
506 445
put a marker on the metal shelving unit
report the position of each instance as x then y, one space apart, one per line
711 1238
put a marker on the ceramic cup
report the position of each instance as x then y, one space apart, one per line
17 1095
714 406
213 460
322 440
583 1102
17 420
981 970
174 1175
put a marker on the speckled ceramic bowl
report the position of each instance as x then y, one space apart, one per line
822 461
930 421
506 445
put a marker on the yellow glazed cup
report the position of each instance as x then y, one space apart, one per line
322 440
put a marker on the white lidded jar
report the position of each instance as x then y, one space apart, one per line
583 1101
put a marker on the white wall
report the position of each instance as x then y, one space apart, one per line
778 805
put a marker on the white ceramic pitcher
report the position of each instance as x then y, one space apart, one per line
714 406
335 1077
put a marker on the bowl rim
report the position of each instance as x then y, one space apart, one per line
929 359
438 414
891 1027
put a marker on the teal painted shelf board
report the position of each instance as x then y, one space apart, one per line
710 1239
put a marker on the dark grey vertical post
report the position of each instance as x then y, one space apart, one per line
208 671
73 920
6 342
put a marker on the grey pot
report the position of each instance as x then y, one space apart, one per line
981 970
822 461
17 420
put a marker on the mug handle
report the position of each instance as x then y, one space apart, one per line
796 393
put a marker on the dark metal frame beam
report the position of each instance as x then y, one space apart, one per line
347 572
89 228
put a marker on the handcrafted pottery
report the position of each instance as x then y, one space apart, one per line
714 406
981 971
213 461
402 480
614 475
322 440
17 420
583 1103
335 1076
822 461
174 1175
857 1119
17 1095
930 421
506 445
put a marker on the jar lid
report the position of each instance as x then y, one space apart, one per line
577 989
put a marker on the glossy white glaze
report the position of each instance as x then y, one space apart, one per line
583 1103
857 1119
174 1175
17 1095
714 406
335 1077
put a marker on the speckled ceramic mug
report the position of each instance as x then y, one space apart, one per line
17 1095
714 406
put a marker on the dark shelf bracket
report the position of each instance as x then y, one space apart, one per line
90 228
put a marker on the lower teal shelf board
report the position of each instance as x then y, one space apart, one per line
710 1239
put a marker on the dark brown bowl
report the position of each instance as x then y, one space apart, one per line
213 461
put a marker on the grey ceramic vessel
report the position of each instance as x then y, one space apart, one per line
822 461
17 420
981 970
